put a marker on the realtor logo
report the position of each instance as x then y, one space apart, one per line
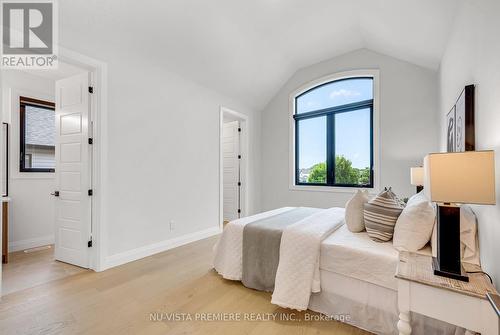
29 34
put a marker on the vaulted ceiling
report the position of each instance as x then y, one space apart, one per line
247 49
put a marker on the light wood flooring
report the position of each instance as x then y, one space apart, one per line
26 270
121 300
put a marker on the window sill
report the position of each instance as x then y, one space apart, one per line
332 189
33 175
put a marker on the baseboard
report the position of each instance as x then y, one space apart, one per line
148 250
31 243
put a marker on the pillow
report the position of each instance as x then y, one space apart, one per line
468 235
381 214
415 224
419 197
354 211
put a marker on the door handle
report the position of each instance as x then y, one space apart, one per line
55 194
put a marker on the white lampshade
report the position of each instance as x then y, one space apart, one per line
460 177
417 176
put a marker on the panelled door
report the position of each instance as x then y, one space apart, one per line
73 174
231 170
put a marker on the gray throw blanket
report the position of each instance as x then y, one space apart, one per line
261 247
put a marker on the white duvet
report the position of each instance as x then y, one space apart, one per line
298 270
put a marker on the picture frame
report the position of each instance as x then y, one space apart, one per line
5 159
450 130
460 123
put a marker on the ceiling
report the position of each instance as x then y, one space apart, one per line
248 49
63 70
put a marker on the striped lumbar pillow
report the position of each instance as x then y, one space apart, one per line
381 214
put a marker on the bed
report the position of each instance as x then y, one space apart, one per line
357 279
354 274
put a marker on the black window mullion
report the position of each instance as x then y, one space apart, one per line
330 149
22 137
335 110
297 153
371 148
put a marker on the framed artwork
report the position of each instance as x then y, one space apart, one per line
460 123
450 130
5 159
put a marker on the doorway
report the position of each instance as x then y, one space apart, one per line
51 118
233 165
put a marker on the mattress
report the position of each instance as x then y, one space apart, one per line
357 256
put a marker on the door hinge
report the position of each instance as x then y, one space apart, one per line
90 193
239 130
239 211
91 89
89 243
91 140
239 183
239 156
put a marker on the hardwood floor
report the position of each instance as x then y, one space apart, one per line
26 270
122 300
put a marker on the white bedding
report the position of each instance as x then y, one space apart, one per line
298 269
350 254
357 256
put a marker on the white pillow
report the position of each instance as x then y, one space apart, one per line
415 224
468 235
354 211
419 197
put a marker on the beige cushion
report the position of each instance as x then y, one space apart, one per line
381 214
415 224
354 211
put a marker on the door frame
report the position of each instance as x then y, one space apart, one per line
99 115
244 141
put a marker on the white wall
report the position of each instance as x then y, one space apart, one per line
473 57
31 217
164 156
408 127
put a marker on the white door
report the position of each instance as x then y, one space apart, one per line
73 180
231 166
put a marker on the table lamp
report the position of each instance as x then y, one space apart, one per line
451 179
417 177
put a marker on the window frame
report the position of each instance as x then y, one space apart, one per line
23 102
373 104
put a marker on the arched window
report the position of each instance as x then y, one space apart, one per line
334 134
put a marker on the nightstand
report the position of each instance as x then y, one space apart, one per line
464 304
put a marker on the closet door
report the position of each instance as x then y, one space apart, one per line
231 175
73 177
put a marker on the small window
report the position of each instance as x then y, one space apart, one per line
334 134
334 94
37 145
